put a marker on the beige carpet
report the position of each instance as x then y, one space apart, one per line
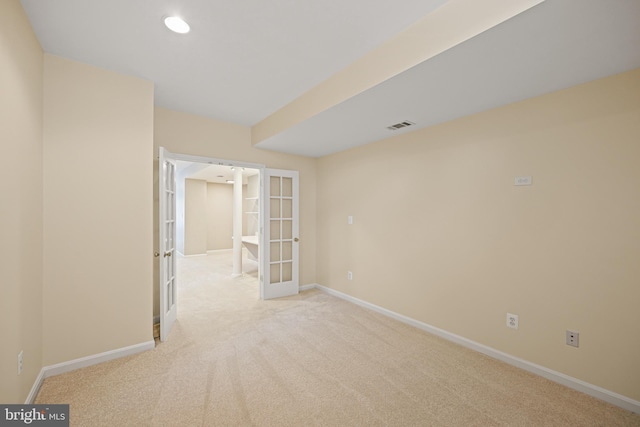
233 360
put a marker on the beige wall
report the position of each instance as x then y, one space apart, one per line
220 216
21 61
190 134
562 253
195 220
98 148
208 216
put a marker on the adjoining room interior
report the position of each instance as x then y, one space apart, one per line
205 223
467 210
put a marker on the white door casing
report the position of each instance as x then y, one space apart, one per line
280 227
167 239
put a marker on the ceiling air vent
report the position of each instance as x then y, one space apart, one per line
400 125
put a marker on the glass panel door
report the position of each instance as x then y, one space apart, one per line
167 223
280 234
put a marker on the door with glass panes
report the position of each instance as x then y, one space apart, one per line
280 232
167 239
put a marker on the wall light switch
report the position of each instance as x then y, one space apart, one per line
350 220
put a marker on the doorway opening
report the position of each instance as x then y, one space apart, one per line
202 216
213 276
212 208
276 223
214 203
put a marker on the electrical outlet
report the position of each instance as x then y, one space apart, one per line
512 321
20 362
349 275
573 338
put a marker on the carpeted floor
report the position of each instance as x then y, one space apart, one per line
313 359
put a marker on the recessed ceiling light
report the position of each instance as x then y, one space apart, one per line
176 24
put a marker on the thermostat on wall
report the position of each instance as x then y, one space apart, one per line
523 180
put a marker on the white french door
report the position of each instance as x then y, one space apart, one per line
167 222
280 234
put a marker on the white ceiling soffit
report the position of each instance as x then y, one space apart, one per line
212 173
554 45
242 60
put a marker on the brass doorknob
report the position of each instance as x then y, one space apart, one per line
166 254
296 239
156 254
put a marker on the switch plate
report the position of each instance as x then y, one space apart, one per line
350 220
523 180
349 275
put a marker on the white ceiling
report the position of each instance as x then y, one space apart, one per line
243 60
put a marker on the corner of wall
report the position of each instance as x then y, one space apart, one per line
21 124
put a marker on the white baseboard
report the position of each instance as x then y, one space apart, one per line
219 251
303 288
83 362
558 377
35 388
211 251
